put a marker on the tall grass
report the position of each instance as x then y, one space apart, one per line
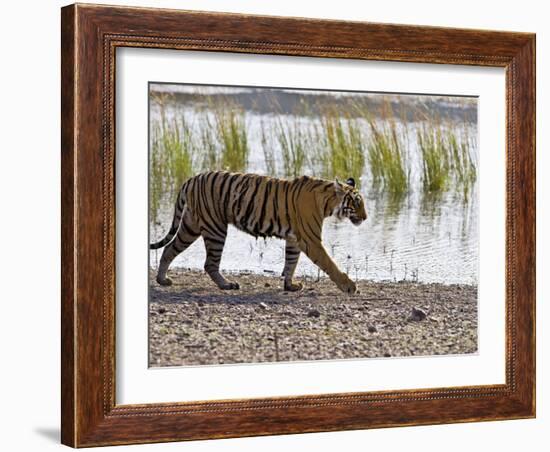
294 141
209 144
436 158
215 140
387 157
157 184
345 150
447 161
172 142
268 150
387 150
330 147
172 158
231 130
319 164
329 143
464 166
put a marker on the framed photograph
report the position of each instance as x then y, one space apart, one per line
281 225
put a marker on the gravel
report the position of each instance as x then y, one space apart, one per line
192 322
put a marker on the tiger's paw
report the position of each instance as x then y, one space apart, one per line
230 286
290 287
347 286
164 281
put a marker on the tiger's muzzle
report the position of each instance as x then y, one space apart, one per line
357 220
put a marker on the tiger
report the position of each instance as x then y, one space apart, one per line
263 206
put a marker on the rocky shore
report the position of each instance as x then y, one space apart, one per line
192 322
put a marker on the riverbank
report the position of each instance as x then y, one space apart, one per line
192 322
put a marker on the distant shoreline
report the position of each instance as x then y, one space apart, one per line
288 101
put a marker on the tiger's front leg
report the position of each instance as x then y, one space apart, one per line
292 254
317 253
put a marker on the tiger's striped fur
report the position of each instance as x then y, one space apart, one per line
292 210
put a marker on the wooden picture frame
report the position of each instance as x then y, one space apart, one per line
90 35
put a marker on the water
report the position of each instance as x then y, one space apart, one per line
417 238
411 244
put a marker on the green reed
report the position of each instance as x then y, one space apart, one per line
209 144
330 143
216 139
447 162
294 142
156 174
268 150
463 165
387 157
436 158
231 132
172 157
343 146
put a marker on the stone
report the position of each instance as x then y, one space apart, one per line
417 315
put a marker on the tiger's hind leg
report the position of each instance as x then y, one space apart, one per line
292 254
186 235
214 248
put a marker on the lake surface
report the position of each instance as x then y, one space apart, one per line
416 238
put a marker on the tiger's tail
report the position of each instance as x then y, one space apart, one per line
178 213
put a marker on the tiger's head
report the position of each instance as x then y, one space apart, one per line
351 204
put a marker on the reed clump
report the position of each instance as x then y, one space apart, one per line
463 164
231 131
387 157
269 151
326 142
209 143
172 150
447 162
294 142
172 156
436 158
344 148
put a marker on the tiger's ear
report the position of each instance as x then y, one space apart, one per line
338 185
351 182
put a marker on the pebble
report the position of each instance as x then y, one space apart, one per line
417 315
263 305
313 313
371 329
